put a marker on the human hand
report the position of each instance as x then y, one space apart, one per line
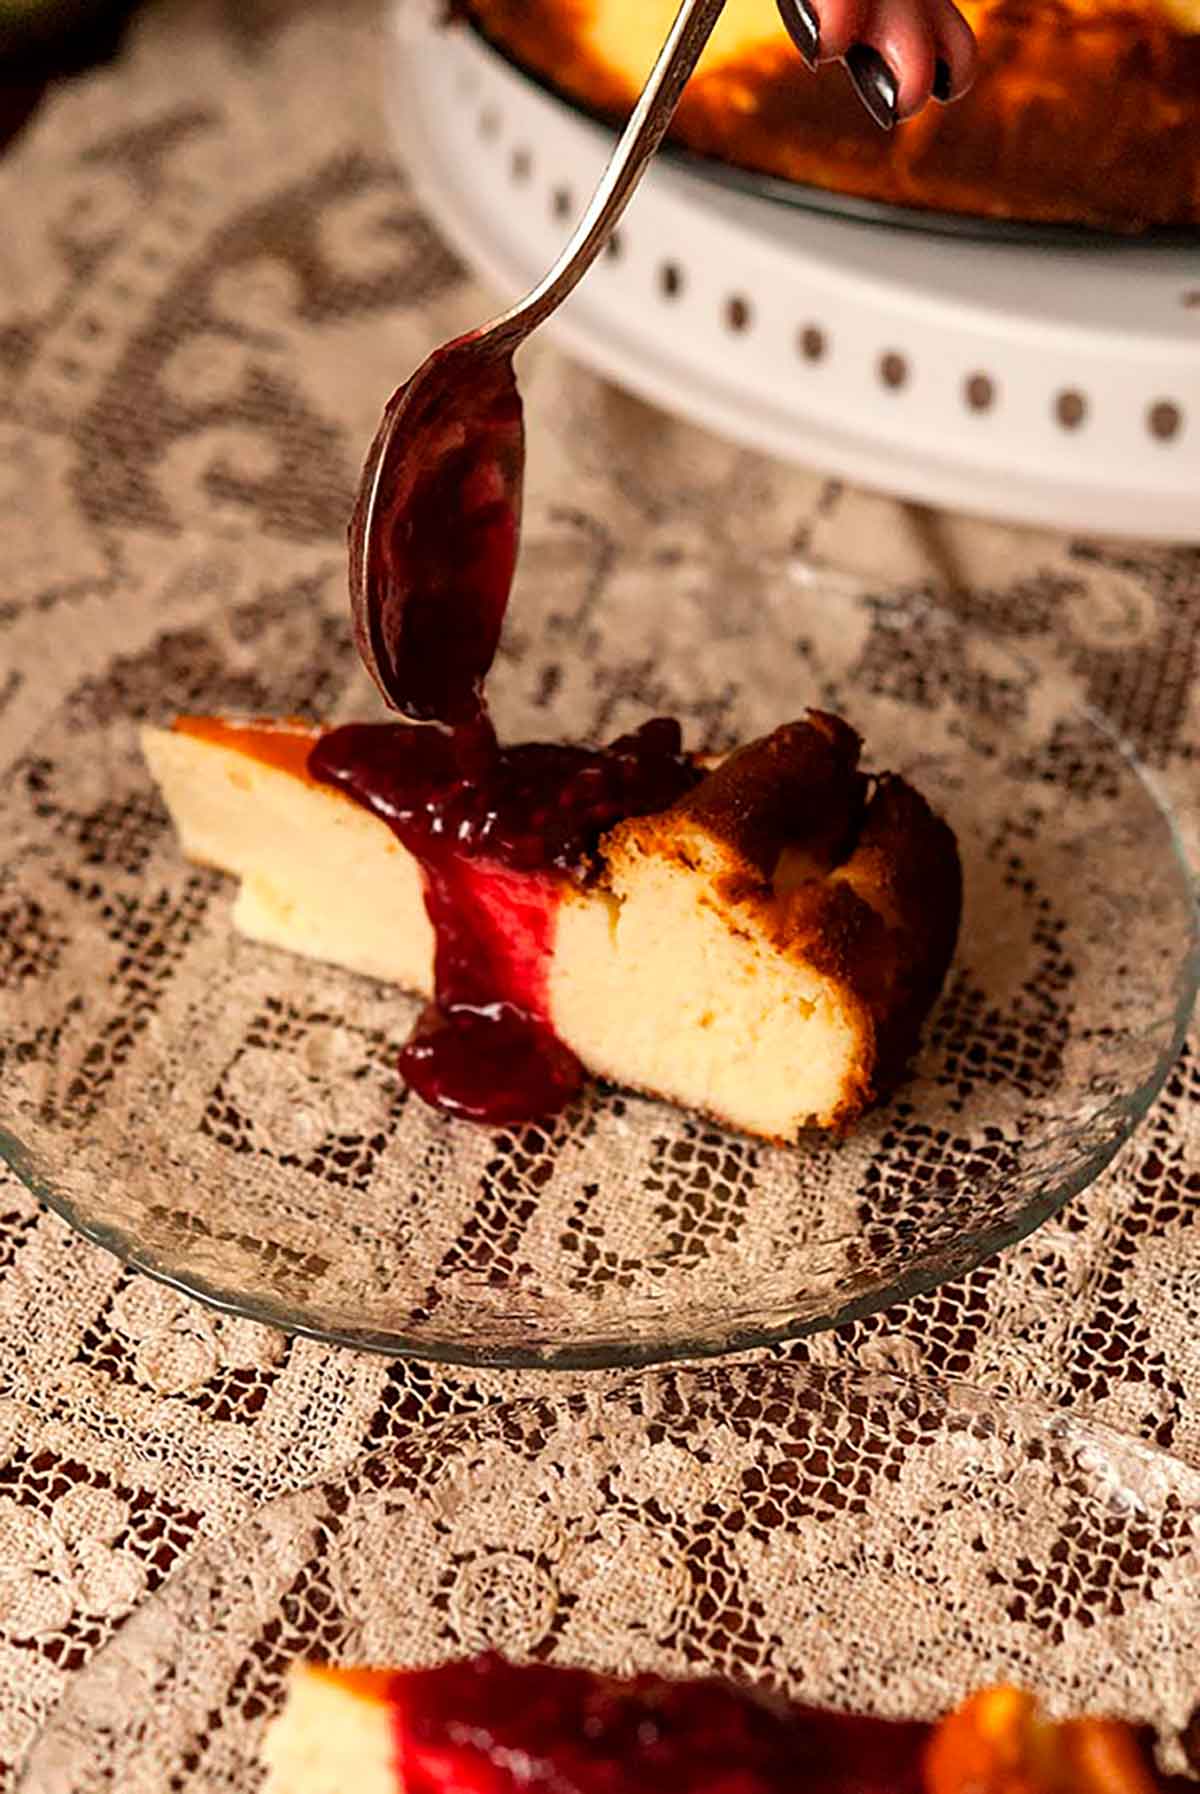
898 53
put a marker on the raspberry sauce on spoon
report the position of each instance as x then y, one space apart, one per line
433 545
496 830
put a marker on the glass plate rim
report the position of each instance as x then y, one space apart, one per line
682 1346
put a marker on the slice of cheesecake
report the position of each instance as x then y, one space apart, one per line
764 949
486 1726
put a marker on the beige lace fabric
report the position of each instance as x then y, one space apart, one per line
216 276
881 1558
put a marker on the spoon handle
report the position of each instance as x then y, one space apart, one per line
693 26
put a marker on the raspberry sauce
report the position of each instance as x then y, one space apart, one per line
496 830
430 578
490 1727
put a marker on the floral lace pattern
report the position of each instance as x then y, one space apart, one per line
218 275
893 1546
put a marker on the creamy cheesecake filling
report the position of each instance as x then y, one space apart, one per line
338 1735
656 989
500 835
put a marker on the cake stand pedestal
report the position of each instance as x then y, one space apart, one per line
1051 385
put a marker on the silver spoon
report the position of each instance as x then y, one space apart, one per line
433 538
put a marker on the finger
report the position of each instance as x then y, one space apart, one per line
957 51
803 25
841 24
899 32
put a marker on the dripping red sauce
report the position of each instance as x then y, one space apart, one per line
489 1727
496 830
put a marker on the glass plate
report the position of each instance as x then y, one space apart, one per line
230 1118
853 1540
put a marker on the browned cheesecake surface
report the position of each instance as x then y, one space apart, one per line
1083 111
286 745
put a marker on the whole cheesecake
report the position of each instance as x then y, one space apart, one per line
1084 112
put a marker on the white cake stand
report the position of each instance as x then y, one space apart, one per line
1049 385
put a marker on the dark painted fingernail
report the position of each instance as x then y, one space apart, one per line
943 80
874 81
803 27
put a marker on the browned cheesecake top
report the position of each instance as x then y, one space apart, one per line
1083 111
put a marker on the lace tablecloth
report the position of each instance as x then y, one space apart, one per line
210 277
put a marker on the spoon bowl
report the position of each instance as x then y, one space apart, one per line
435 529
